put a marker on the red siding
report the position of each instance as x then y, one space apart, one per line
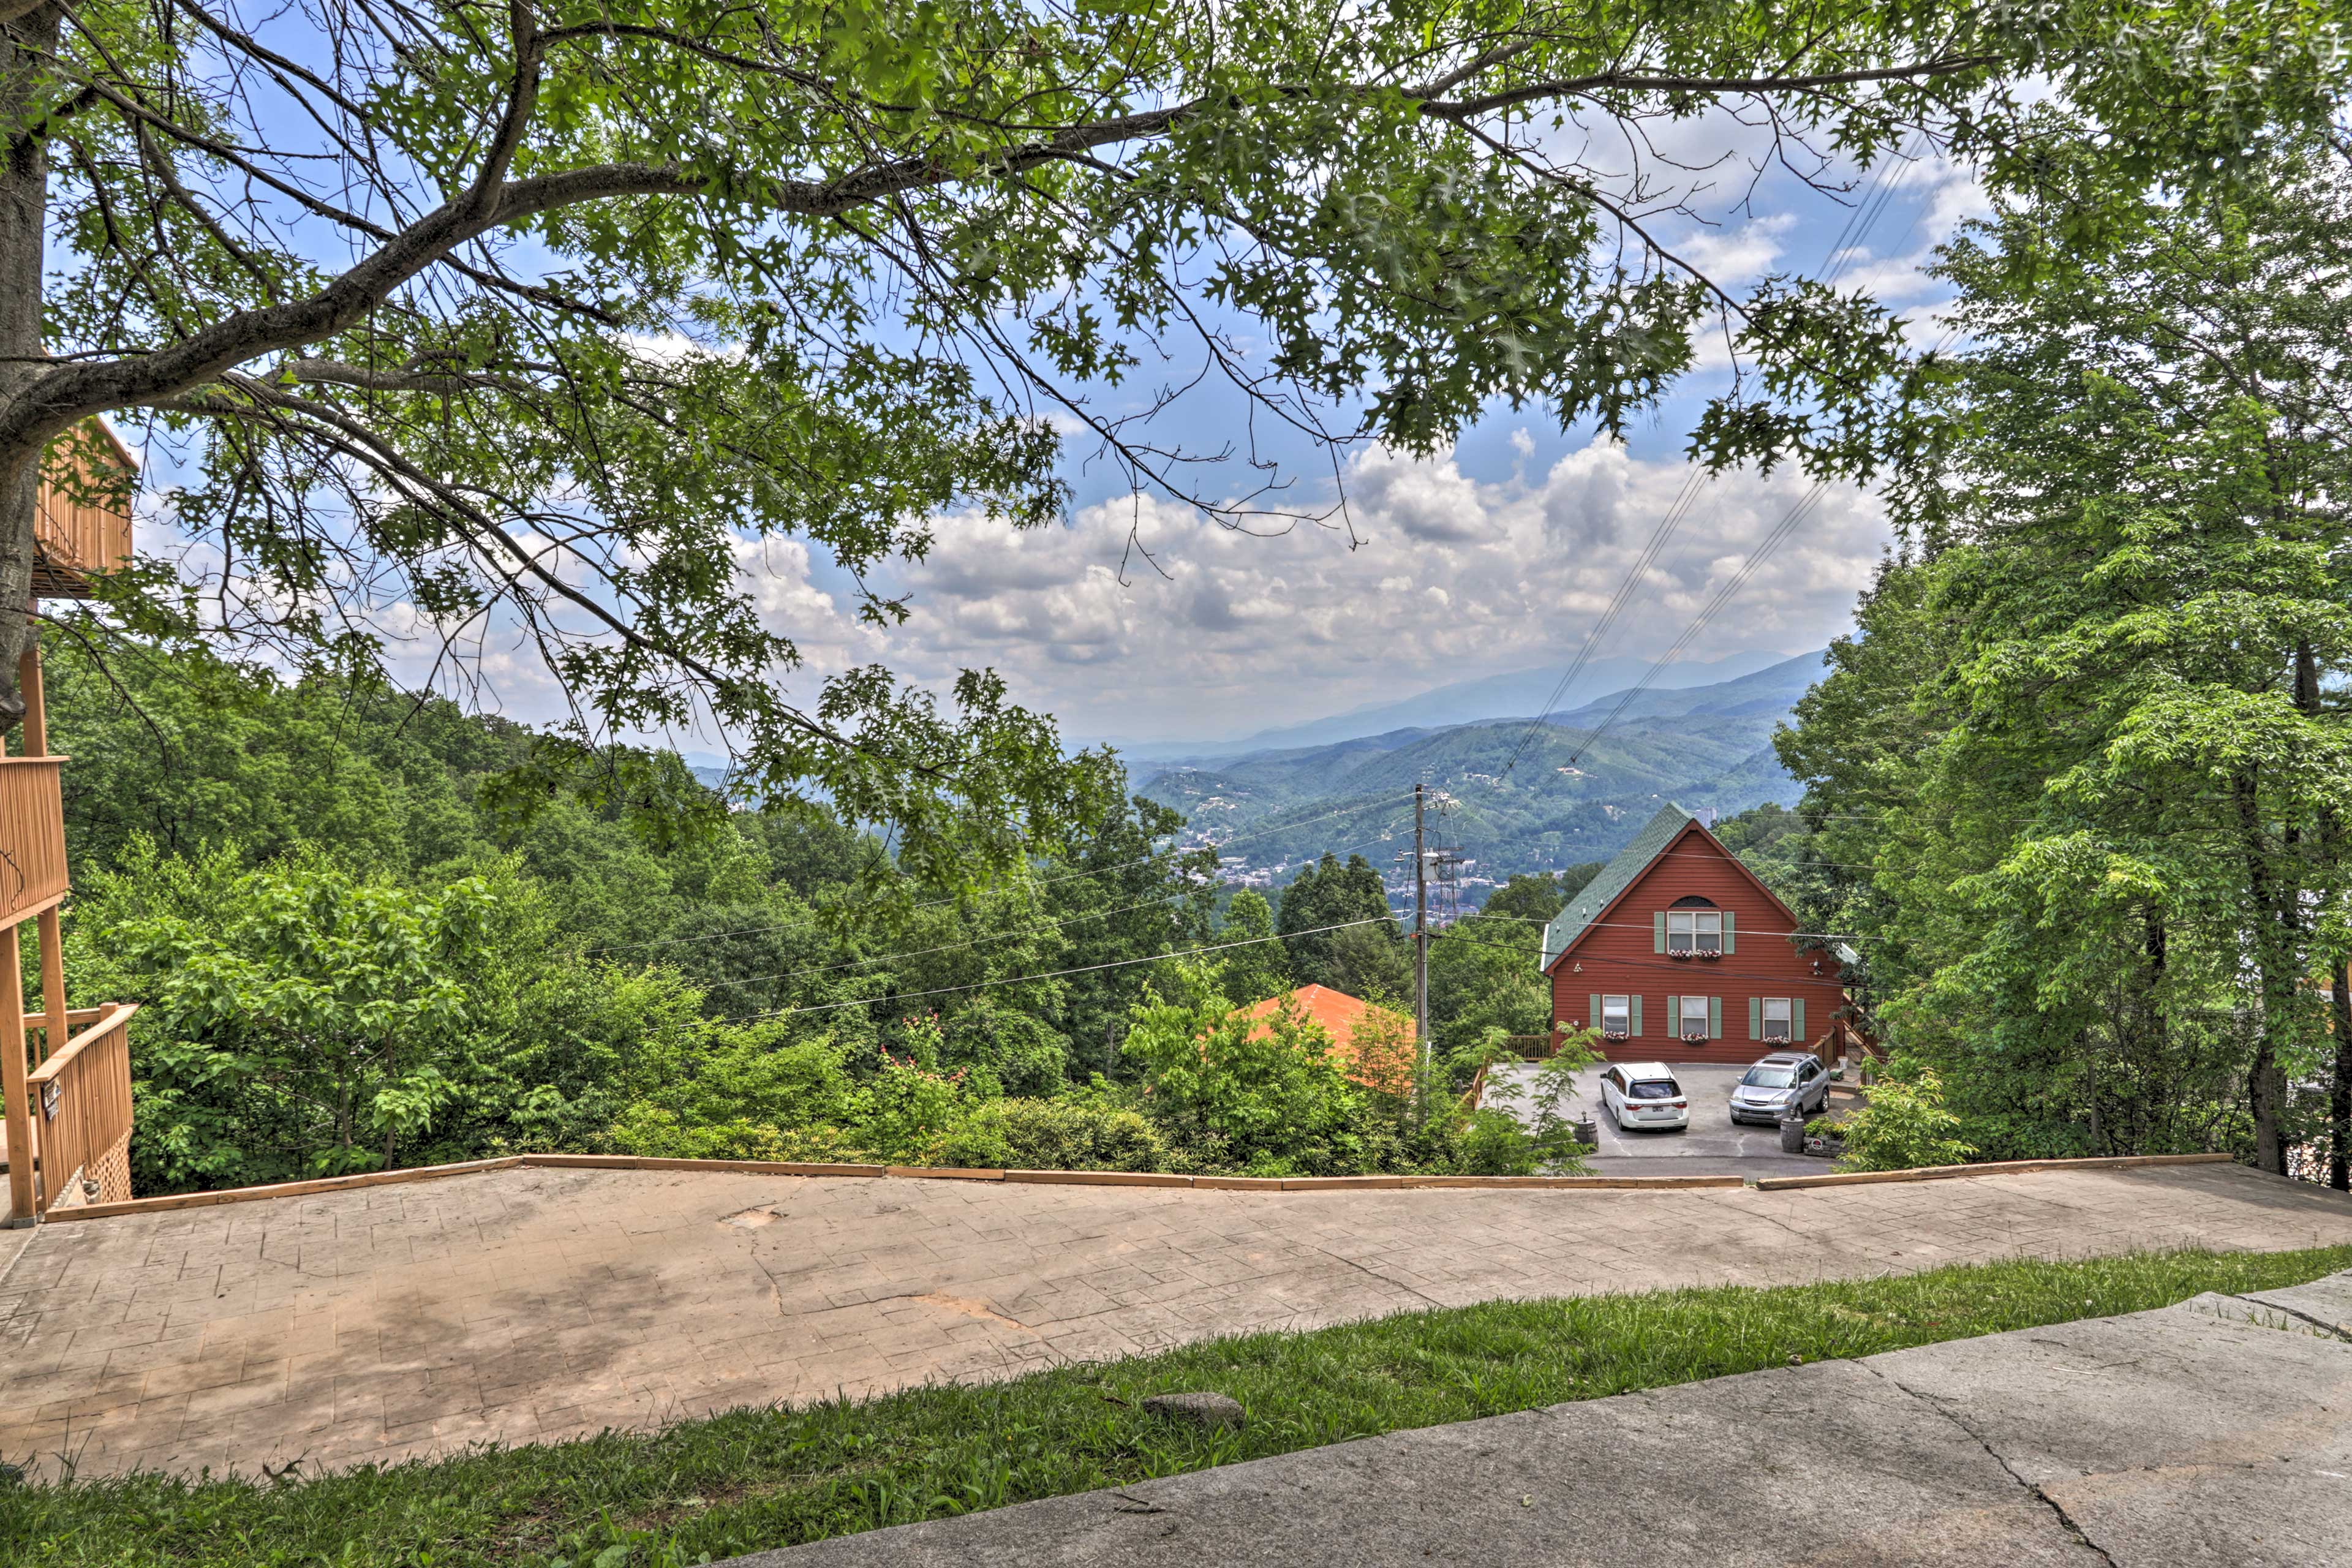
1616 956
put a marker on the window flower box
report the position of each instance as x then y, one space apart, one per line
1694 1036
1683 956
1615 1036
1708 955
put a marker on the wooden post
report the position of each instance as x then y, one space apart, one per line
12 1079
53 983
36 709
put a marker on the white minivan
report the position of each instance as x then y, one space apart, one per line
1644 1094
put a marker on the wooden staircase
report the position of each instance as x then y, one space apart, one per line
66 1072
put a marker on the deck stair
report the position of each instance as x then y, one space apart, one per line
64 1138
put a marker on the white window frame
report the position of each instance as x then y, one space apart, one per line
1617 1016
1787 1020
1694 931
1706 1015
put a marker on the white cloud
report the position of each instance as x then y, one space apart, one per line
1452 577
1733 256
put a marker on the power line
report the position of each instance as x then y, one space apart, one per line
1873 203
1007 935
1771 542
1858 224
1677 511
1051 974
1647 925
1041 882
1718 971
974 942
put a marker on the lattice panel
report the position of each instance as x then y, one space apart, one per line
112 1170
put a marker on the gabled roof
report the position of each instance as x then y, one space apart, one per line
1615 878
1656 836
1339 1014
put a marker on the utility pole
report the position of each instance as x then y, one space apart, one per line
1419 934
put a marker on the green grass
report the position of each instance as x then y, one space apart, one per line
753 1479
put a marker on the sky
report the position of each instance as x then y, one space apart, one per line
1496 555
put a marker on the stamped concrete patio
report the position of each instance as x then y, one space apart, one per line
539 1304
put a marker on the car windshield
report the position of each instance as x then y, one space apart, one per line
1771 1076
1654 1090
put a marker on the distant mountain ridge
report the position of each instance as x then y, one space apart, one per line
1570 796
1522 692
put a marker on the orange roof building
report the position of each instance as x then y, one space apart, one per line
1382 1059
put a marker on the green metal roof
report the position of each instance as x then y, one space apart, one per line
1615 878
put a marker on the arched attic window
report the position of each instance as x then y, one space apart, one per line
1693 927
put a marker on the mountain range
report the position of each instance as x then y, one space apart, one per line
1512 794
1515 692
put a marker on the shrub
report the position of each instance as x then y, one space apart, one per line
900 1116
1053 1135
1904 1127
649 1130
1546 1122
1493 1143
1256 1094
1004 1050
697 1085
301 1019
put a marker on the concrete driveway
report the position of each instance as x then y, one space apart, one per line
1711 1147
534 1305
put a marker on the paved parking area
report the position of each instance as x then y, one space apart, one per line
540 1304
1712 1146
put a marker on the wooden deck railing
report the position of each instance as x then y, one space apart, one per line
32 835
81 1112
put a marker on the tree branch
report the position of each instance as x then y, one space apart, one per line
370 447
1574 87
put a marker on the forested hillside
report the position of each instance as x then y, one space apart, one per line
1520 797
356 947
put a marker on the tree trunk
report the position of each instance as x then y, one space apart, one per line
2097 1145
24 218
2339 1098
2339 972
2273 928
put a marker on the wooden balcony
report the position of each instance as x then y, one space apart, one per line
83 528
32 835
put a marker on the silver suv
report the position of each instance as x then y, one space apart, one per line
1783 1084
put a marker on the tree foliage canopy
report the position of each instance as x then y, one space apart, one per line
2082 785
532 321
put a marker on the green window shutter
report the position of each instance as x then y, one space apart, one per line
1797 1021
1658 931
1636 1020
1727 945
1714 1017
1673 1017
1756 1017
1592 1018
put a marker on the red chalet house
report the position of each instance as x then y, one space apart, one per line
1677 953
